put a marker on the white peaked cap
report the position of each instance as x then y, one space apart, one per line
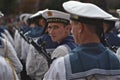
38 13
88 10
118 11
111 19
117 24
22 16
1 14
56 16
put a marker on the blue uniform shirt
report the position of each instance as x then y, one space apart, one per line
25 28
69 41
91 59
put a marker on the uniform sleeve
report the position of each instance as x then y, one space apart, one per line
12 55
118 51
56 71
17 43
118 54
9 37
36 65
24 50
5 70
60 51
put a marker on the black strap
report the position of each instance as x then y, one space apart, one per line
40 48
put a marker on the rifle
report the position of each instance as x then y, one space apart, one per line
40 48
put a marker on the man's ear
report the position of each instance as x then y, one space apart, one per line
42 22
68 27
81 27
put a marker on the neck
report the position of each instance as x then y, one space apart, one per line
65 36
89 39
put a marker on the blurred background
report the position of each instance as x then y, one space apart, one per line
13 7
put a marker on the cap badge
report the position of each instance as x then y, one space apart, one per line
75 16
49 13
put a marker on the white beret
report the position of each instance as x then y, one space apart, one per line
111 23
39 13
56 16
88 10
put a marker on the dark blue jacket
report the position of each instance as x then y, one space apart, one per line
112 39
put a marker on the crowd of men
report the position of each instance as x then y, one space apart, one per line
79 44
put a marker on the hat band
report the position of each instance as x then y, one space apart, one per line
85 19
58 20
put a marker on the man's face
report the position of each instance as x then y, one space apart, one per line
57 31
42 22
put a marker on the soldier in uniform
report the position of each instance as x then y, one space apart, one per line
10 61
3 30
18 40
112 40
36 64
6 71
38 71
59 29
91 60
23 26
10 55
